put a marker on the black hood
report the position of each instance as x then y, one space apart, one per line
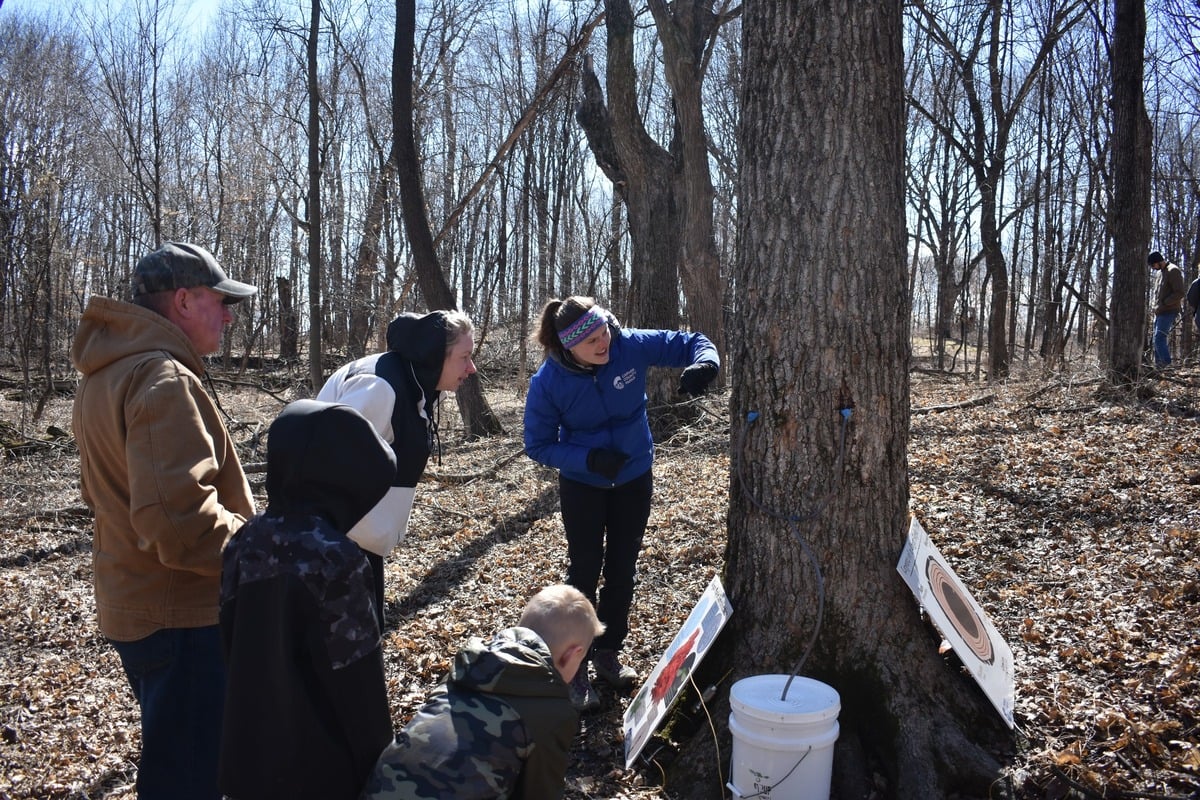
326 459
421 341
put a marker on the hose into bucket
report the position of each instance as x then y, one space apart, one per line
793 522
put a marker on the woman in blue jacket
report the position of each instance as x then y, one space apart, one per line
585 415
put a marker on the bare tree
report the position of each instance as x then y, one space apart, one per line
44 147
820 406
313 205
1130 211
941 197
980 56
478 418
131 51
668 193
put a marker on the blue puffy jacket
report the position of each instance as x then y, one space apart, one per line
571 409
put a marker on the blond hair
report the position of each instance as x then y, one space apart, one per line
457 325
562 616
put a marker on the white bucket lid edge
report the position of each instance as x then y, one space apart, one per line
808 700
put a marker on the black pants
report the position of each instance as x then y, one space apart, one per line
376 562
604 535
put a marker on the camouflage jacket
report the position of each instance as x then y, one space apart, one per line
501 726
306 710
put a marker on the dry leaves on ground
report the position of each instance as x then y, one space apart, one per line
1072 518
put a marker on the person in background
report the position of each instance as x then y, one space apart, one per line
306 709
1193 302
397 391
585 415
163 480
1167 305
502 723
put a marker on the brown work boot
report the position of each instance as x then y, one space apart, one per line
612 671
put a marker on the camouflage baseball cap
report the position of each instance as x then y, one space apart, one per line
177 265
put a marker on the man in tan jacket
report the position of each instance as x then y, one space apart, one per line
162 477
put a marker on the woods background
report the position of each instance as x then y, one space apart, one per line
125 124
833 190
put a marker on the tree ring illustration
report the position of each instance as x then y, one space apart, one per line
959 611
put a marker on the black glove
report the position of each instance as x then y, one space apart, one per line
696 378
606 462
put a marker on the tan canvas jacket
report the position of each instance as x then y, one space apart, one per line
158 469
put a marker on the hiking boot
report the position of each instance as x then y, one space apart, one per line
612 671
583 696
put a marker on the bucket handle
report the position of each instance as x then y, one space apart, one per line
766 791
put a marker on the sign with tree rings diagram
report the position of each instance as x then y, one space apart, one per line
958 610
959 618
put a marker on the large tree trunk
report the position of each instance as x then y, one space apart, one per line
642 172
478 418
685 30
1129 221
822 233
316 374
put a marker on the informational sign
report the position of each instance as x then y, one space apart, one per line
960 620
682 657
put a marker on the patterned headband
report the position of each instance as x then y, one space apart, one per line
583 327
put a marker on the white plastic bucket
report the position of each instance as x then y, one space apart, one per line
782 749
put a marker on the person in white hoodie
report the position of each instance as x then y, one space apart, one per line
397 391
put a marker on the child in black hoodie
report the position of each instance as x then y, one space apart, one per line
306 709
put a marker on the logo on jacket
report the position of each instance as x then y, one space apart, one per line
628 377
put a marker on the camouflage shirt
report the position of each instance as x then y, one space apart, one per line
306 711
501 726
331 567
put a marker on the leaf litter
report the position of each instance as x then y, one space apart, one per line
1073 518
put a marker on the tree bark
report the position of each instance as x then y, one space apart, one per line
1129 220
366 261
315 317
823 466
685 29
641 170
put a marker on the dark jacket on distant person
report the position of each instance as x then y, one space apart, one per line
1171 292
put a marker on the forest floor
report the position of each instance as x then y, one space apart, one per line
1073 518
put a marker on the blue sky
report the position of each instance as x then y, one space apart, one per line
198 13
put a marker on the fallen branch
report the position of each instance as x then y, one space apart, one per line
430 475
458 480
977 401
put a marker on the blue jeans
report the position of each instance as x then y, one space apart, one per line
1162 326
604 529
178 678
